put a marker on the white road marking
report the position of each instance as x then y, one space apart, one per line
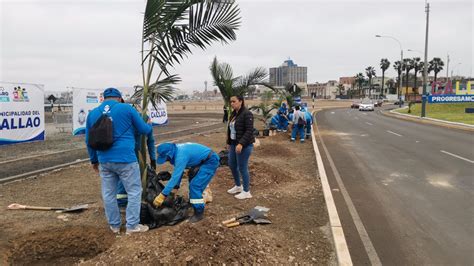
417 141
457 156
368 123
340 244
364 236
364 113
396 134
356 118
332 113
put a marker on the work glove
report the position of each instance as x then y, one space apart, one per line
153 164
159 200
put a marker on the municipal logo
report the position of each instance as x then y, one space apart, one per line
20 95
4 98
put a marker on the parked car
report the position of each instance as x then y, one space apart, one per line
367 105
355 104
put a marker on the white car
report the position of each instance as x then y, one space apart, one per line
367 105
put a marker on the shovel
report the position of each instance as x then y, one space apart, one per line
76 208
256 215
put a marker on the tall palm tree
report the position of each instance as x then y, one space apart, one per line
370 72
436 65
359 78
417 66
384 65
229 85
399 68
170 29
407 66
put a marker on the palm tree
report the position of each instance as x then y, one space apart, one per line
407 66
436 65
170 29
340 89
359 78
417 66
229 85
370 72
390 85
384 65
398 67
265 110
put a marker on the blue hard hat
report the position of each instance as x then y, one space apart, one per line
165 152
112 92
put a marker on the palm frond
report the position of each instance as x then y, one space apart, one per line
201 23
162 90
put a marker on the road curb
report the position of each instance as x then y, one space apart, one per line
428 120
339 240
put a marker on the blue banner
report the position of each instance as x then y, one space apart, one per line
451 98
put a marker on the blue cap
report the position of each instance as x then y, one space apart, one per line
112 92
165 151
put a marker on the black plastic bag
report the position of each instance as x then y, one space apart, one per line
223 158
173 210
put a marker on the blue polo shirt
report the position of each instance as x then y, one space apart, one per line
126 121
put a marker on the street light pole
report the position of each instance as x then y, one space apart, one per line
425 67
401 64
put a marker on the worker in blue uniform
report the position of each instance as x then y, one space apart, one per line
118 162
283 112
309 122
274 121
183 156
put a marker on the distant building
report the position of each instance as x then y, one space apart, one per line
288 72
326 90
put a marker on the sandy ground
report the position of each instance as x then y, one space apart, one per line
283 177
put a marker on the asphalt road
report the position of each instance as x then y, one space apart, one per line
403 190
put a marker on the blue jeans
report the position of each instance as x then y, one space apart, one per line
297 129
239 165
129 175
200 182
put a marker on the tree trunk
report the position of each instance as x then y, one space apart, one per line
383 81
406 85
415 88
399 85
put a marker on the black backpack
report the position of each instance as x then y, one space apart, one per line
101 135
301 121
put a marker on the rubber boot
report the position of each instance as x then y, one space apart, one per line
197 216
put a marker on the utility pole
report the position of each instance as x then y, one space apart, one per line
447 66
425 67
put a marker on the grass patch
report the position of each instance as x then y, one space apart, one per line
454 112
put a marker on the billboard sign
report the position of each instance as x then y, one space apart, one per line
21 113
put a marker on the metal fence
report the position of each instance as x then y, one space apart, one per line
63 121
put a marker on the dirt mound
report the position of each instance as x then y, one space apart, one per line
263 174
59 247
274 149
207 242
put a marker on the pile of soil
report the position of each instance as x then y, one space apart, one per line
288 185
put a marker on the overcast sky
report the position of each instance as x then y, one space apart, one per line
95 44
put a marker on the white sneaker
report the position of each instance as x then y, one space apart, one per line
235 189
115 230
243 195
140 228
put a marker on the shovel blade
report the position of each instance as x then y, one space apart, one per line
262 221
77 208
